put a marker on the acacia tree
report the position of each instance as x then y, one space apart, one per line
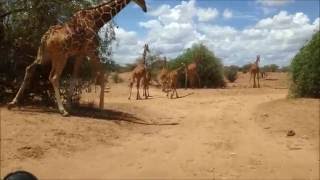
210 68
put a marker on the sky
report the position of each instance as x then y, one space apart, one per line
235 30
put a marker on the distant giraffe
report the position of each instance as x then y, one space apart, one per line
139 73
77 37
162 75
192 73
172 81
254 71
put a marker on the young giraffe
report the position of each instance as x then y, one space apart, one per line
78 37
192 73
172 81
139 73
254 71
162 76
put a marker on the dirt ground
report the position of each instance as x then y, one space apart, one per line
233 133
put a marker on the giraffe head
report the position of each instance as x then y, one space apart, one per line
258 58
142 4
146 48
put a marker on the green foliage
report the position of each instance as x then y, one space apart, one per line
284 69
305 70
230 73
270 68
210 68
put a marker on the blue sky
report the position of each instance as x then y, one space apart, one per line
280 27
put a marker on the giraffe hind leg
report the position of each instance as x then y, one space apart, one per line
54 78
26 81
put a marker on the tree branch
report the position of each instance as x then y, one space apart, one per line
11 12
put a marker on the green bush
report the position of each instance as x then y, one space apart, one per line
210 68
270 68
231 73
305 70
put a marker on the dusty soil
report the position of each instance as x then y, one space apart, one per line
232 133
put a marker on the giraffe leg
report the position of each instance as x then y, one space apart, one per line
175 89
99 75
144 80
258 81
186 80
74 79
199 82
192 82
250 79
28 75
130 87
254 80
138 87
144 93
56 70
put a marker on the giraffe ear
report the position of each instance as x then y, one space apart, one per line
142 4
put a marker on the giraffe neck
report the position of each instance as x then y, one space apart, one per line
103 13
257 62
144 57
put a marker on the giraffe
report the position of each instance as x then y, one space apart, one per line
254 71
139 73
162 75
192 73
77 38
172 81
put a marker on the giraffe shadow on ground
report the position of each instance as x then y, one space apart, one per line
189 94
113 115
85 111
104 114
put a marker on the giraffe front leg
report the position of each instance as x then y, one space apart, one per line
258 81
254 81
138 87
54 79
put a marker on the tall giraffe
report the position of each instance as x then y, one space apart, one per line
79 38
192 73
254 71
139 74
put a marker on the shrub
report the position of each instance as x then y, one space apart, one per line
245 68
305 70
210 68
231 73
116 78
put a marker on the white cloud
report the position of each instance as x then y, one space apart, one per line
171 30
207 14
161 10
273 2
227 14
